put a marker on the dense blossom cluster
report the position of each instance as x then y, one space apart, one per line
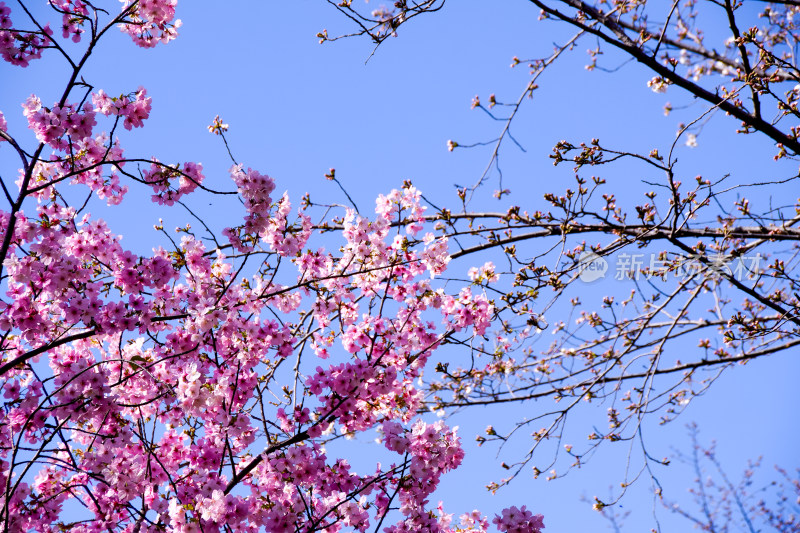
152 393
52 124
151 22
134 108
434 449
21 47
515 520
68 129
255 189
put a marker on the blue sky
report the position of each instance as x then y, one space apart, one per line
297 108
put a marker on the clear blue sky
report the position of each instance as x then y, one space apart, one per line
297 108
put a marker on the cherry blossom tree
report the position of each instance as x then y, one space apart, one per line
200 386
196 388
711 261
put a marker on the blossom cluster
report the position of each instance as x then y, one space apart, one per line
134 108
400 204
84 166
21 47
433 450
52 124
266 221
74 13
485 273
151 22
161 177
514 520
